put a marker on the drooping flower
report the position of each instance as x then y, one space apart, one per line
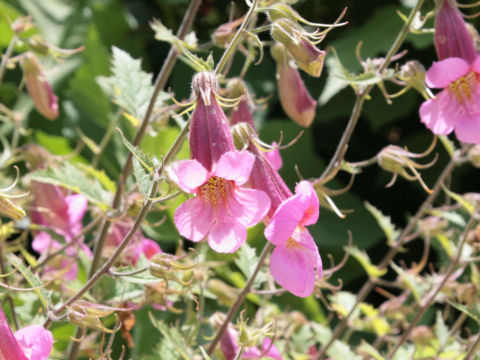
44 99
32 342
296 101
222 209
452 38
295 259
456 107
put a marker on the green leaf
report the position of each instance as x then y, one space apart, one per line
172 339
70 177
139 155
143 178
441 330
367 349
247 261
473 312
100 175
31 278
362 257
384 222
409 281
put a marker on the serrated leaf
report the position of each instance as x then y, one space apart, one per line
364 260
143 178
469 207
139 155
367 349
384 222
31 278
473 312
100 175
343 302
132 87
70 177
173 337
340 351
409 281
441 330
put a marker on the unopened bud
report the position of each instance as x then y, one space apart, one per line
38 44
224 33
421 335
38 87
414 74
242 133
452 38
205 85
36 156
296 101
163 266
22 24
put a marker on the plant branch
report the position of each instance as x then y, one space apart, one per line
369 285
6 56
357 108
241 297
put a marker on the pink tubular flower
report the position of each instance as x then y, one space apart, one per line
30 343
457 105
275 158
221 209
452 38
295 259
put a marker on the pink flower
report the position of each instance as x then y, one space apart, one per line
295 259
457 105
230 348
221 209
452 38
32 342
137 246
275 158
63 214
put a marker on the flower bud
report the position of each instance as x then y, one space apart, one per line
452 38
22 24
421 335
306 55
38 87
414 74
241 112
164 265
210 135
294 96
222 36
11 210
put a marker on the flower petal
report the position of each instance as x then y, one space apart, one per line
274 158
76 207
193 219
286 219
9 346
187 174
476 65
235 166
248 206
36 341
293 270
43 242
309 195
442 73
227 236
467 129
150 248
439 114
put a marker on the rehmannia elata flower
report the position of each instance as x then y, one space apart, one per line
456 107
452 38
222 209
32 342
294 96
295 259
45 101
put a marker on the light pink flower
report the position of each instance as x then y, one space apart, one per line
221 209
457 106
32 342
275 158
295 259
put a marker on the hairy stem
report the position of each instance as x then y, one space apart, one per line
240 298
369 285
357 108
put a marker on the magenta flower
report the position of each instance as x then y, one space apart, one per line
221 209
32 342
295 259
457 105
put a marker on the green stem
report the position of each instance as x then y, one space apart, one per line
106 138
241 297
6 56
233 44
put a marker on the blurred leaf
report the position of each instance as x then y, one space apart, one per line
173 340
385 223
8 15
247 261
343 302
367 349
143 178
441 330
473 311
410 281
372 270
100 175
341 351
31 278
72 178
